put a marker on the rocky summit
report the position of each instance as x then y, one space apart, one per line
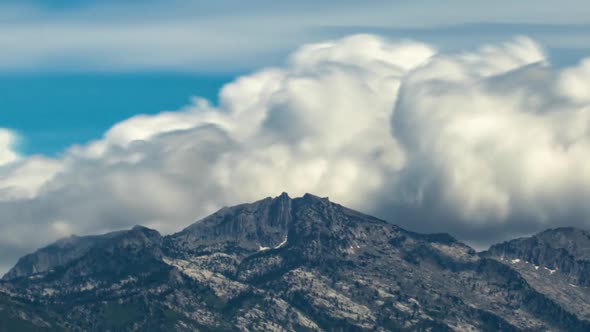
302 264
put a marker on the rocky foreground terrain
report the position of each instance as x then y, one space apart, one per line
303 264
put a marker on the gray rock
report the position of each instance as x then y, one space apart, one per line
303 264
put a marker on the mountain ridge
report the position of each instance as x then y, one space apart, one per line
302 263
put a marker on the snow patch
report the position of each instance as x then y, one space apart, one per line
88 286
49 291
282 244
550 271
261 248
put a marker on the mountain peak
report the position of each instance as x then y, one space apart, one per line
312 197
563 230
302 264
70 248
284 195
138 229
138 236
267 223
250 226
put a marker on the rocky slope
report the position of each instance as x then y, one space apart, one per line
556 262
303 264
57 254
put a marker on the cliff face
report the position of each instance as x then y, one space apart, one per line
303 264
555 262
247 226
566 250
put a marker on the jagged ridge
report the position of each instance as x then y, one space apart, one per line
298 264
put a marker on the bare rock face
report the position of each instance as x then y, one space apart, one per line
555 262
57 254
302 264
246 226
563 250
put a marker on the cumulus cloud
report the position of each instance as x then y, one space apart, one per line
574 83
504 149
485 144
24 178
7 142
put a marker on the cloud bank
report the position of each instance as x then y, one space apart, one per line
81 35
485 145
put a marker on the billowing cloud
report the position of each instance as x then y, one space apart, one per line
483 144
504 147
7 141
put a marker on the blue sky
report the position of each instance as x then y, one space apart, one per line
51 111
71 68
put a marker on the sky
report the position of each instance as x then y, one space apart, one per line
465 117
54 110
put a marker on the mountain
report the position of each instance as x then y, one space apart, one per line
566 250
302 264
57 254
555 262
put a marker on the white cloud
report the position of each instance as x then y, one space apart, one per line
574 83
481 144
60 228
24 179
7 141
497 146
